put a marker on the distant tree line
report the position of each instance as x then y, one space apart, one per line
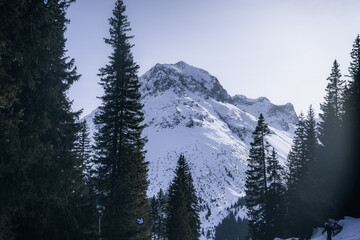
233 227
324 165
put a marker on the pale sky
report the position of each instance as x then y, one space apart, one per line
280 49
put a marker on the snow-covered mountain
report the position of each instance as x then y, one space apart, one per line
188 111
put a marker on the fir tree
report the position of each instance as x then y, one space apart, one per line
39 114
83 149
303 209
296 155
276 195
295 158
11 182
158 214
83 196
330 168
311 211
183 221
332 109
122 171
311 140
352 131
256 183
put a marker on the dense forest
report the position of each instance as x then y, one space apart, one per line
51 178
324 169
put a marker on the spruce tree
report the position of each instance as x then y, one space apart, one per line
352 135
38 113
121 177
303 210
83 196
329 171
311 140
256 183
310 215
11 183
183 222
295 159
332 109
276 195
83 149
158 215
296 155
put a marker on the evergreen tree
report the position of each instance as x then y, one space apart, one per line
83 149
39 176
303 209
158 214
121 177
311 140
183 221
11 182
276 195
83 196
256 183
310 215
330 168
296 155
332 109
352 135
153 214
295 159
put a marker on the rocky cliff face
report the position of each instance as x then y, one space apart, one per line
188 111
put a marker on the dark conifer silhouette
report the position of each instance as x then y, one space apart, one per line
276 195
303 212
158 214
296 157
183 222
38 130
329 170
256 183
121 168
352 131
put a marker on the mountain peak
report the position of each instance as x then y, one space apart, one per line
182 78
182 64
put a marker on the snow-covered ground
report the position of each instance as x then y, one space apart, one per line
350 231
188 111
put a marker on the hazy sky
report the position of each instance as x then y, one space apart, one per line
280 49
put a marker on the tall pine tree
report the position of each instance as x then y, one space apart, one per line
11 182
38 113
256 183
183 222
276 195
352 131
158 207
84 197
121 167
329 170
303 211
295 157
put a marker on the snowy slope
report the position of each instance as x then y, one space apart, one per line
350 231
188 111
